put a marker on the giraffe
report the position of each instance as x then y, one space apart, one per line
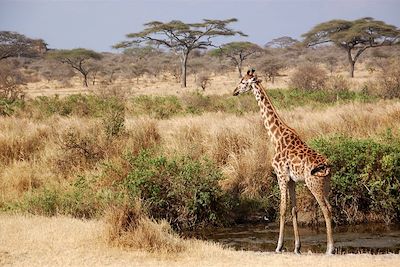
293 162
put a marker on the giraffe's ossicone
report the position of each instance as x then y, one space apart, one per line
293 162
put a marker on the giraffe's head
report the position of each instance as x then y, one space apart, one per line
246 83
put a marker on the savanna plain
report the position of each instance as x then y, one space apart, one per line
122 171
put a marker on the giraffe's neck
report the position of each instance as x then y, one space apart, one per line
272 122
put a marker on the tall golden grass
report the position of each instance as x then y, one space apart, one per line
51 151
128 226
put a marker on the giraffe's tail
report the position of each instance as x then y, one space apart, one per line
321 170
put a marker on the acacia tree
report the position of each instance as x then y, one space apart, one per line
78 59
237 53
281 42
270 67
353 36
181 38
13 44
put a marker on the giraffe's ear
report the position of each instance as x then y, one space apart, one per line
253 70
248 72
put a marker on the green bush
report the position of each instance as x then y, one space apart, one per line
159 107
78 105
8 107
114 121
366 177
113 109
181 190
294 98
79 200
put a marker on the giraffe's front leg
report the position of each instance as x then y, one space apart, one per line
292 194
283 190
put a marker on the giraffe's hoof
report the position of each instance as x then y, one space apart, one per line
297 252
329 250
278 250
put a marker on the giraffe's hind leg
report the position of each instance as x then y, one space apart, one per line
292 194
319 187
283 185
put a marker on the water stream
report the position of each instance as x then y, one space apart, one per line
368 238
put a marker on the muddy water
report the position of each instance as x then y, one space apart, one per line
374 238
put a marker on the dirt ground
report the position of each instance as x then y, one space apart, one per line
62 241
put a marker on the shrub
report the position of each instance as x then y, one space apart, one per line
79 200
11 83
77 105
338 84
390 80
203 81
308 77
82 149
156 106
365 180
185 192
114 121
196 103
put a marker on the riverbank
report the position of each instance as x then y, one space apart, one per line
63 241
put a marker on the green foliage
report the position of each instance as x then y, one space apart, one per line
294 97
181 190
8 107
182 37
187 36
73 105
112 110
358 33
156 106
79 200
366 176
13 44
76 54
114 120
353 36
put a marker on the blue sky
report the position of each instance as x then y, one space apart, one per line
98 24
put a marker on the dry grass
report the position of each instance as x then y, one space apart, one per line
128 226
54 150
218 84
240 144
61 241
21 139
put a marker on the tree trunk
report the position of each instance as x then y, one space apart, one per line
184 59
239 67
352 62
85 80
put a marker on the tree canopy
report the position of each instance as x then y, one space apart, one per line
353 36
180 37
237 52
282 42
13 44
78 59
